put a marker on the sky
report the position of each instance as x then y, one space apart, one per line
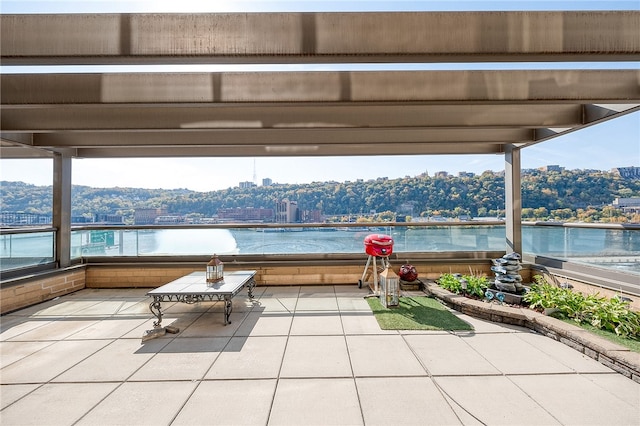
615 143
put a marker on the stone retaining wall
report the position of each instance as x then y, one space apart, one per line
616 357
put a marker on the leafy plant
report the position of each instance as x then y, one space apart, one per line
612 314
476 285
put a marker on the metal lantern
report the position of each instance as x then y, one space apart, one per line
389 288
215 270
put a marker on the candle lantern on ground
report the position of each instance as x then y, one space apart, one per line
389 288
215 270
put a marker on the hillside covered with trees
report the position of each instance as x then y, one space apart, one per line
584 195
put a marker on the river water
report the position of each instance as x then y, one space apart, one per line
597 246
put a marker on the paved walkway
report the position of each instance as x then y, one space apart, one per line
296 356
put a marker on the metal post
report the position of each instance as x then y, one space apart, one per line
513 199
62 208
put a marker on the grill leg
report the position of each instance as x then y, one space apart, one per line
375 276
366 269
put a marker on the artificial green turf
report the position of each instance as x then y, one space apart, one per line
416 313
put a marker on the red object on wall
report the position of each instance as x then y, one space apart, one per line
408 273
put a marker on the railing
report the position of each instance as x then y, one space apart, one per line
604 245
611 246
265 239
26 247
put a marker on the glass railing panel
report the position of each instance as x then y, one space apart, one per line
614 247
609 246
26 249
104 242
264 240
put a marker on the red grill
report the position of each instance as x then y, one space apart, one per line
379 245
376 246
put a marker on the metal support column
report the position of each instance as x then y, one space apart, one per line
513 199
62 208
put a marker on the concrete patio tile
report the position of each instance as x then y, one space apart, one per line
403 401
278 290
311 291
317 304
316 323
101 294
211 324
11 352
266 323
448 354
281 291
316 356
134 307
382 356
276 304
29 311
56 404
564 354
320 402
618 385
351 291
11 320
141 403
181 359
249 358
463 416
181 321
239 303
103 367
48 363
110 328
55 330
61 307
105 308
575 399
349 303
495 400
228 402
11 393
362 323
18 326
433 332
484 326
512 355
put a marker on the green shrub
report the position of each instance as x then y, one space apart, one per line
607 314
476 285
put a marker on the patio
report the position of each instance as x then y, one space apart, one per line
296 355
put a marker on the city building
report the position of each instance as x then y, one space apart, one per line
286 211
551 168
627 172
148 216
627 205
248 214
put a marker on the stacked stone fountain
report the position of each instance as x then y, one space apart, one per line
508 283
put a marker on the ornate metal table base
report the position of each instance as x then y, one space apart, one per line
191 295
